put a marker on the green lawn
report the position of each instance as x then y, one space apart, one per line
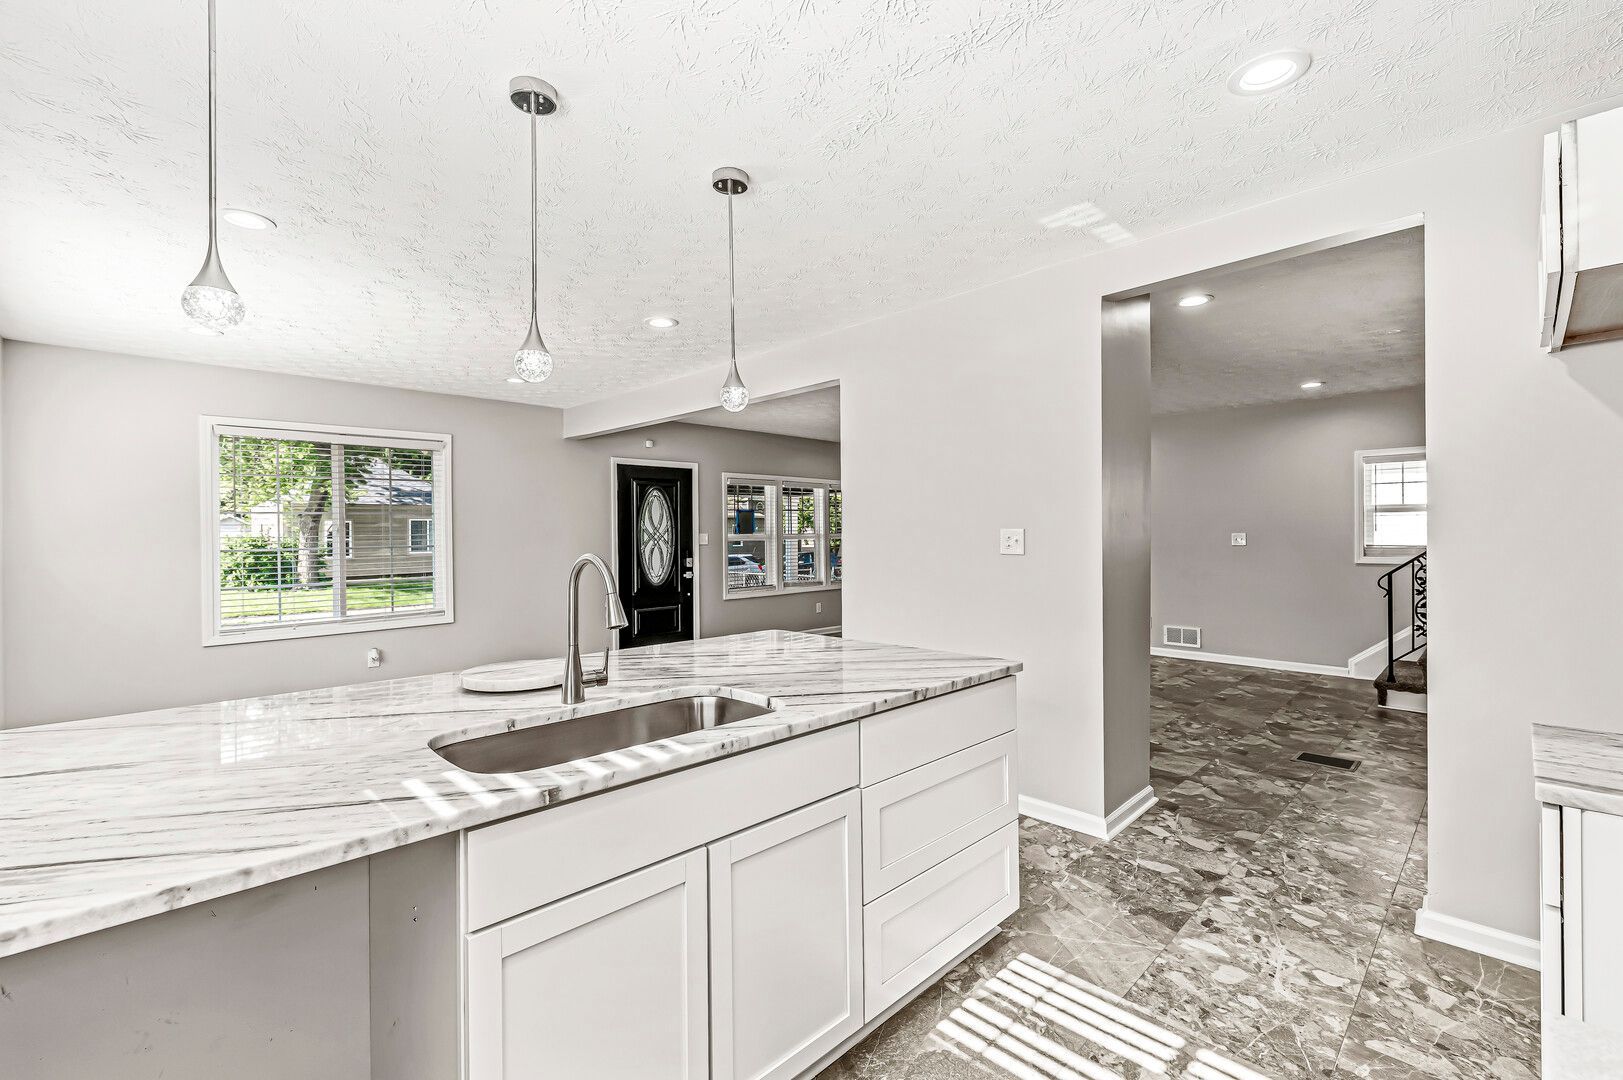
317 600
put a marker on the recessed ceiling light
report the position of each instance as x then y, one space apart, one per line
1195 300
1312 384
206 331
1270 72
660 322
247 219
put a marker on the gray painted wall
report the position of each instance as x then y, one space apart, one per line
722 450
1283 475
101 620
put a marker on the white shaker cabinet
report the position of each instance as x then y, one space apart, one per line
786 941
610 983
1583 915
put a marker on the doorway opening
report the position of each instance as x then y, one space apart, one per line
1265 469
655 505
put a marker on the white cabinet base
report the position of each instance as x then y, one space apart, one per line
785 941
917 926
609 984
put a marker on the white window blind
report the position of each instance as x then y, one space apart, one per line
782 535
836 508
1393 501
279 496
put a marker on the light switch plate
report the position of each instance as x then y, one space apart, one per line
704 539
1011 542
1237 539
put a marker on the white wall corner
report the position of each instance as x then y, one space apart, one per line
1477 938
1105 828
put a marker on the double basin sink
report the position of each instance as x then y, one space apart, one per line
545 745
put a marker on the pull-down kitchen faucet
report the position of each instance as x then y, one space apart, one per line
614 617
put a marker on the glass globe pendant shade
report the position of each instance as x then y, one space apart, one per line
734 394
532 362
210 301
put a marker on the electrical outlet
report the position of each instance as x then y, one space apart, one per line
1011 542
1237 539
374 658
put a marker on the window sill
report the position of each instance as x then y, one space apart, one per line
326 629
1384 560
781 590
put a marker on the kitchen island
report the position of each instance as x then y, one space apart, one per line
300 885
1578 779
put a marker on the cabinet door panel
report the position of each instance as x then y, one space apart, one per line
609 984
913 821
786 941
913 930
1600 912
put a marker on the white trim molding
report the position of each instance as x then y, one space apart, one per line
1372 661
1251 661
1477 938
1105 828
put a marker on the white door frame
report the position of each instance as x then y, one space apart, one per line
693 525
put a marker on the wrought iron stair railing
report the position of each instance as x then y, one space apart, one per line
1415 624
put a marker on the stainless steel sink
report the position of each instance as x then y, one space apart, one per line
598 733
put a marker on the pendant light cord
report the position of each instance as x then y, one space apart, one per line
732 299
213 213
535 113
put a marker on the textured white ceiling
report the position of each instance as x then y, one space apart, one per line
1352 316
814 414
903 150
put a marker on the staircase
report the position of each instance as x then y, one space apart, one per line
1402 683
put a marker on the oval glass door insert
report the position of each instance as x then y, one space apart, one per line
655 528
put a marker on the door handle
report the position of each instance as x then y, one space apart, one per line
687 573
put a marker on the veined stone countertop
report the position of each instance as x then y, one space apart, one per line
111 820
1578 768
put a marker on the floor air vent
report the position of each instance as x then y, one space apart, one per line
1186 636
1330 761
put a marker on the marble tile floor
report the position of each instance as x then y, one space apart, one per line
1257 922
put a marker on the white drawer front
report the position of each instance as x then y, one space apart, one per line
524 862
902 739
916 928
913 821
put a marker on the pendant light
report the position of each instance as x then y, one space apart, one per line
532 362
209 300
734 394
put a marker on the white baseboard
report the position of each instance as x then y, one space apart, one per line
1372 661
1477 938
1404 701
1105 828
1250 661
826 631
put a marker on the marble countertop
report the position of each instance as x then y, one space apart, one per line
1579 768
111 820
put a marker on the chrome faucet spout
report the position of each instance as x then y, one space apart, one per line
614 617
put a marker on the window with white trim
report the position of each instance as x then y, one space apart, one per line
1392 504
349 539
782 535
420 536
277 497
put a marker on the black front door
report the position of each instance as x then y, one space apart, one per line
654 553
